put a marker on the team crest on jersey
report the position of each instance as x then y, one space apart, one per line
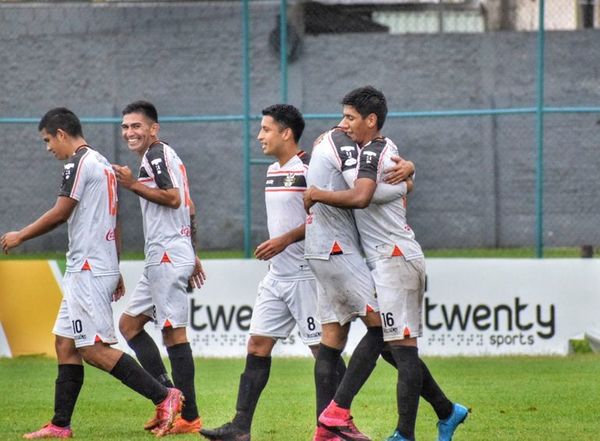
289 180
350 162
68 168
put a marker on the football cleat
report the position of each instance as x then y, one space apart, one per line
181 426
322 434
447 427
339 421
167 411
227 432
50 431
396 436
152 423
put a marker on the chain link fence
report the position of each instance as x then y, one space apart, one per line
462 80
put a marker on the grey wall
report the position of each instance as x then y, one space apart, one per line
476 175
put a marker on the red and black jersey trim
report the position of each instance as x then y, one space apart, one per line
285 181
304 157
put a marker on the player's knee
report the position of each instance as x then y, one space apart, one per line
260 346
65 349
174 336
129 327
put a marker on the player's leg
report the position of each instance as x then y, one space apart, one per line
123 367
347 284
140 311
168 285
66 390
89 302
271 320
400 287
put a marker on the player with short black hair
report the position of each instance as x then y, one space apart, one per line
84 327
287 296
397 265
171 265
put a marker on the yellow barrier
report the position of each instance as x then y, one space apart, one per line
30 296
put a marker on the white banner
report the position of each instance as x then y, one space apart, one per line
472 307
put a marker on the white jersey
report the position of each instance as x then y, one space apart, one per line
89 179
284 191
331 229
167 231
383 228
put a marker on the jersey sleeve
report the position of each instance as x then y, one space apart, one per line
73 179
370 160
345 149
160 168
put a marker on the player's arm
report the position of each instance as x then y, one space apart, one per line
120 289
169 197
51 219
357 197
198 276
400 171
387 192
272 247
383 192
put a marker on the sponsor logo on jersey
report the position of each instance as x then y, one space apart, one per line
110 235
68 168
156 163
369 156
350 162
185 231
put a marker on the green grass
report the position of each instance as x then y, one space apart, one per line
239 254
512 398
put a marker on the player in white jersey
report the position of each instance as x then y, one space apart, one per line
84 327
287 296
395 258
171 265
346 290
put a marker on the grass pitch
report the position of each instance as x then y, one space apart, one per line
512 398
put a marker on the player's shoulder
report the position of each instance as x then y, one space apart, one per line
156 150
304 157
377 145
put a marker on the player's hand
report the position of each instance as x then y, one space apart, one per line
197 278
120 290
270 248
124 175
308 198
10 240
398 172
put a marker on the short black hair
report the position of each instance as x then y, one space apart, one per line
287 116
146 108
61 118
367 100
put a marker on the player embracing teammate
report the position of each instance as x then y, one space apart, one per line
395 261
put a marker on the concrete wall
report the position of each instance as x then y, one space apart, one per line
476 175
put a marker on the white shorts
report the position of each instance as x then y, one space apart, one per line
281 304
345 288
400 288
161 295
85 314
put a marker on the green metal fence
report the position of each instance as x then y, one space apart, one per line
538 109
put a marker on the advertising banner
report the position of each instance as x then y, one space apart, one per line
472 307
